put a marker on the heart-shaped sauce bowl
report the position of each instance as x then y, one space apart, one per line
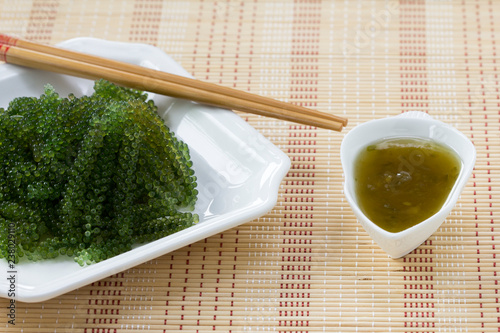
413 124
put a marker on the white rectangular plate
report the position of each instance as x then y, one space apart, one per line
239 171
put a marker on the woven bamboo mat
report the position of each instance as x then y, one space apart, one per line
307 265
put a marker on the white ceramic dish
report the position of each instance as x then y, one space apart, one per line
239 171
409 124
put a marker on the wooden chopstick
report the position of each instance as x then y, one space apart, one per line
25 53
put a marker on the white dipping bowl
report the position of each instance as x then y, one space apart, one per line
410 124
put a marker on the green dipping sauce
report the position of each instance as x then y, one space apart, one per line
401 182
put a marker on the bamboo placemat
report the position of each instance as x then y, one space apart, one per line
307 265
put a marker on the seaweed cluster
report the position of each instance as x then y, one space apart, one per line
89 177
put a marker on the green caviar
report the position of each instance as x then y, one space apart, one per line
89 177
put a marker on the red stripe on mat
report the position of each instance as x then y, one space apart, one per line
485 87
419 301
297 243
42 19
494 201
104 303
472 125
413 56
146 20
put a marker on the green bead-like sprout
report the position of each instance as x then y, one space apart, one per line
89 177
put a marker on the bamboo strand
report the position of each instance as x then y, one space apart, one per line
313 303
349 311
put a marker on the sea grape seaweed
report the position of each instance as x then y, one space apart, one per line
89 177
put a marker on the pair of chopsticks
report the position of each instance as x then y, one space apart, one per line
30 54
